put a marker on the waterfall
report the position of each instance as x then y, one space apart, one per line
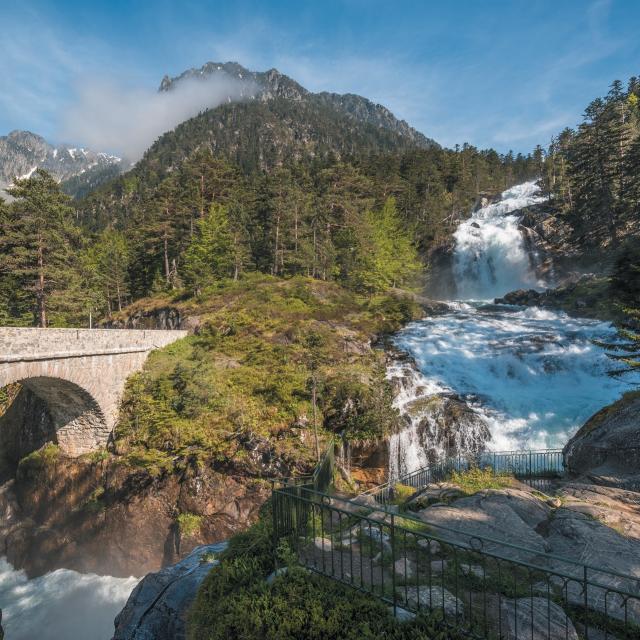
490 257
496 377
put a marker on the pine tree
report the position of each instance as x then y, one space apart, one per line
38 246
210 255
387 257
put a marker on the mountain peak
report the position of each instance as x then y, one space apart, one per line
273 84
22 152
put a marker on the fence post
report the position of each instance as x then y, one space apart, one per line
530 469
275 524
586 602
393 562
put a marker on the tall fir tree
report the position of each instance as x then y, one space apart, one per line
38 246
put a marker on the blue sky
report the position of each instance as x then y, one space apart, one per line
505 74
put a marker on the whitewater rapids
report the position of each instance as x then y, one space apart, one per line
60 605
531 376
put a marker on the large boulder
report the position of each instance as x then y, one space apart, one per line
607 447
505 515
533 619
157 607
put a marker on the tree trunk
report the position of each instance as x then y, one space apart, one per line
315 415
42 312
275 250
167 271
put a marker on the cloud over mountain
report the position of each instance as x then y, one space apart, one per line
125 120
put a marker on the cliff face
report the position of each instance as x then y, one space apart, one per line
102 517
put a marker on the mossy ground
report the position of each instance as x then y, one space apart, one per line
243 382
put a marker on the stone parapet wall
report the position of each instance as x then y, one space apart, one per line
30 340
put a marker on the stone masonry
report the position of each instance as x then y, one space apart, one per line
79 373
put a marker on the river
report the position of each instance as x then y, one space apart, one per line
532 377
60 605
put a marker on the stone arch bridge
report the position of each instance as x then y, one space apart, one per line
72 383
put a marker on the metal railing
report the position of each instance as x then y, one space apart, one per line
524 465
481 586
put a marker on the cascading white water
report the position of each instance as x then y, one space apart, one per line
531 376
60 605
490 258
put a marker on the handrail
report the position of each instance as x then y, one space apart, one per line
481 538
492 456
330 540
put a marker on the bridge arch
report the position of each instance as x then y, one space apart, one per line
52 410
73 379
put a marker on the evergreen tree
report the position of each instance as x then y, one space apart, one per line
105 264
38 246
211 254
387 255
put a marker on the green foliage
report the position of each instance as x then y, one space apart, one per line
209 256
246 380
188 523
387 255
476 479
105 264
361 410
38 461
593 171
401 493
38 238
235 601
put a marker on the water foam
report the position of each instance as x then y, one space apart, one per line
490 258
62 604
534 376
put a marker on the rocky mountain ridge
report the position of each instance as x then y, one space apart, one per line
22 152
272 84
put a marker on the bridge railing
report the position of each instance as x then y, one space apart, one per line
481 586
525 465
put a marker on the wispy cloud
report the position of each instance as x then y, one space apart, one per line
113 117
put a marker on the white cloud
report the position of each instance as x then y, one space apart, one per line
108 116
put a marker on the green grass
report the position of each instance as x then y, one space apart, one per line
475 480
39 460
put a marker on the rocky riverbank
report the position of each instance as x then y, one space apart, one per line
102 517
581 296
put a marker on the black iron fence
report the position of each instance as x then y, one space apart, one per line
484 587
525 465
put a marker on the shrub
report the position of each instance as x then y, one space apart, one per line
476 479
189 523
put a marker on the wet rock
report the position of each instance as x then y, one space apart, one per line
439 422
157 607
